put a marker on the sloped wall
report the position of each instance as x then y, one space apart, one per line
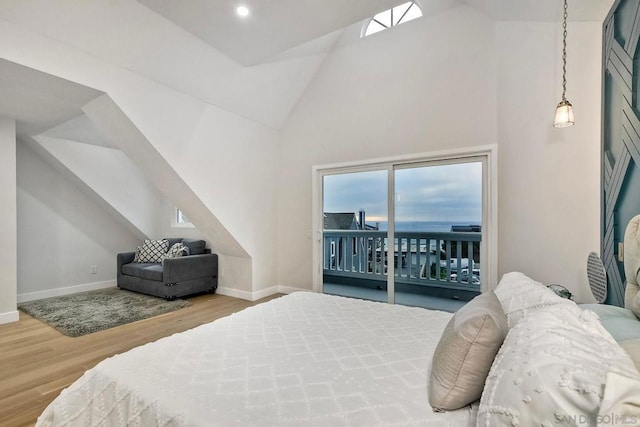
228 160
80 203
114 178
63 233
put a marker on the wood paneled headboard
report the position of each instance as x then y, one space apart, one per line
620 137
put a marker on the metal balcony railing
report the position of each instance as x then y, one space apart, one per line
436 259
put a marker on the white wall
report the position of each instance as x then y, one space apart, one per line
110 174
456 80
63 232
62 185
459 80
8 219
427 85
549 178
80 148
225 185
228 160
232 165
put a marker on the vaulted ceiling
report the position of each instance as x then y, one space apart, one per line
272 27
275 26
39 101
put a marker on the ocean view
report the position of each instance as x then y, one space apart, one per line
437 226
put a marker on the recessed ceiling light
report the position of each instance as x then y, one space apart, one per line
242 10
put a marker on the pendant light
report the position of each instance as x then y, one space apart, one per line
564 110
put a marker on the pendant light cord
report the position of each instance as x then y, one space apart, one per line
564 53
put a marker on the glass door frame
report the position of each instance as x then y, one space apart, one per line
489 245
319 175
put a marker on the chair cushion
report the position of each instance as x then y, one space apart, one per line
135 269
152 272
196 247
173 240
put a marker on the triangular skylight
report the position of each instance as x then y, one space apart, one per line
392 17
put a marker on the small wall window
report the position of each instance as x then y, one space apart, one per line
392 17
180 219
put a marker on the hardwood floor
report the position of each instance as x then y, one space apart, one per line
37 362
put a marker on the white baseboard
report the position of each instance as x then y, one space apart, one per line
230 292
32 296
9 317
290 290
264 293
254 296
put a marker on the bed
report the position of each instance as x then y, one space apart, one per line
518 355
301 359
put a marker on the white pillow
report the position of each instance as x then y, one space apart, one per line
175 251
465 352
621 402
551 370
521 295
136 256
632 347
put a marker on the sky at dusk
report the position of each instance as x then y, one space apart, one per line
447 193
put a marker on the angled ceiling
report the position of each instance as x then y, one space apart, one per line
79 129
274 26
39 101
543 10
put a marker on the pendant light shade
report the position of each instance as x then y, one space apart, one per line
564 115
564 110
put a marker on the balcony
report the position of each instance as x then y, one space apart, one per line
426 263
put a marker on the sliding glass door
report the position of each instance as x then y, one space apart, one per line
354 219
408 232
437 233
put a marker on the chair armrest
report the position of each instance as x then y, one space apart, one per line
122 259
190 267
125 258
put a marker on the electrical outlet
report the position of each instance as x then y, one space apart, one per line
93 269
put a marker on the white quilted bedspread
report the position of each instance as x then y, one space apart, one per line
304 359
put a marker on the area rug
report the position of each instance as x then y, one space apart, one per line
93 311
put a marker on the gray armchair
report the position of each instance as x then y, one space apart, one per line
186 275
